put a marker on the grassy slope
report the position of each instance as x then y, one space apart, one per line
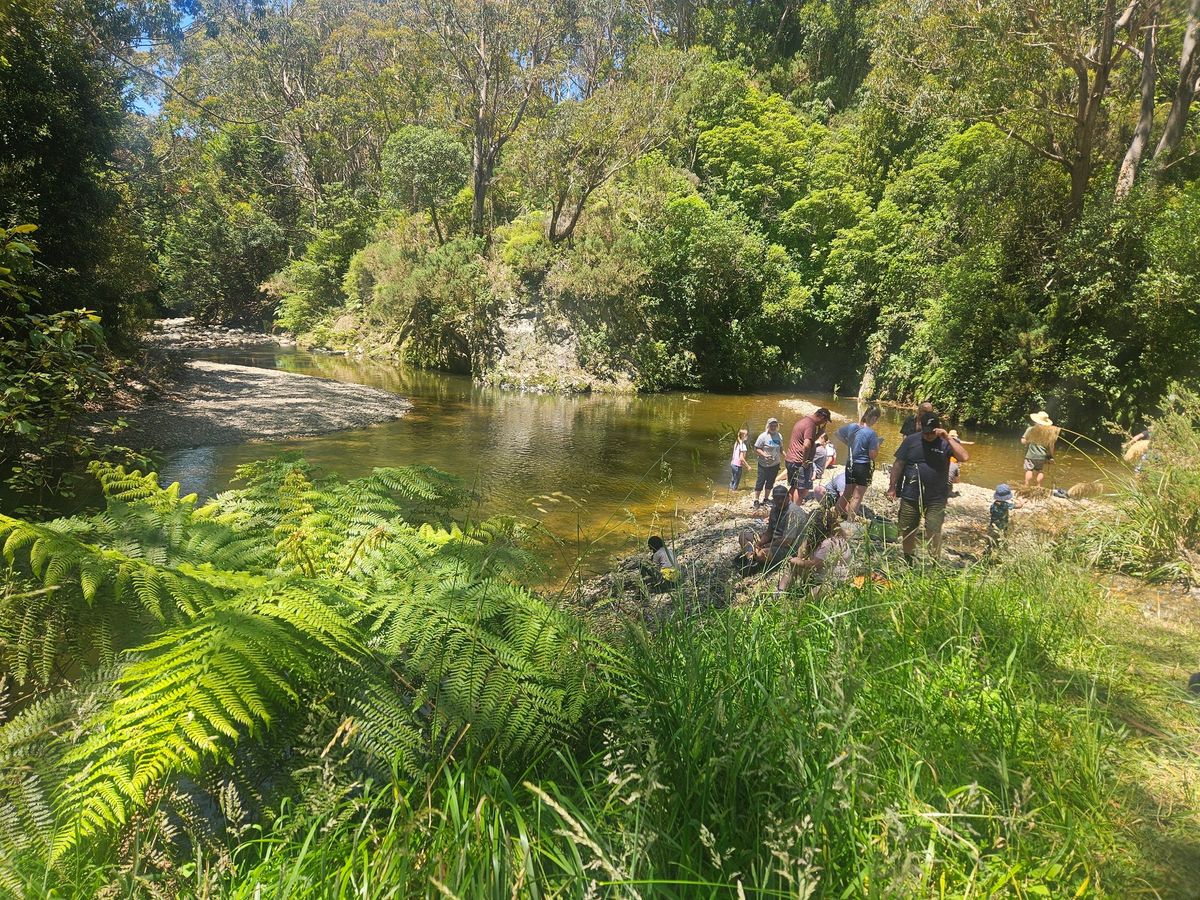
1022 733
1151 641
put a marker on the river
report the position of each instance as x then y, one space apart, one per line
599 472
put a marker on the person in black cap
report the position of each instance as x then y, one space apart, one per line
912 425
920 478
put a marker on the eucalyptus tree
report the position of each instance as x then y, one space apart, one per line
495 59
563 157
1044 71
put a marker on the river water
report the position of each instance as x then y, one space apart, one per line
600 472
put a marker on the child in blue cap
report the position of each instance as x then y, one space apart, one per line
1003 503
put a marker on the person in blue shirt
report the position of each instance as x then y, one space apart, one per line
862 447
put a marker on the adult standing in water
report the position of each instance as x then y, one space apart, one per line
1037 453
920 478
769 450
802 449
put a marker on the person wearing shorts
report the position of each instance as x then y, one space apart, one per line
801 450
1036 455
862 443
769 451
921 479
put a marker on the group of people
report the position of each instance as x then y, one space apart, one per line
816 543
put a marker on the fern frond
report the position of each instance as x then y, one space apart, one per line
192 695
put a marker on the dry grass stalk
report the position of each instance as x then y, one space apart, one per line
1086 489
1135 449
1045 435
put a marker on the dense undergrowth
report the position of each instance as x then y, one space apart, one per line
1154 531
310 687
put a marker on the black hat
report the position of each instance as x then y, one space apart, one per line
930 421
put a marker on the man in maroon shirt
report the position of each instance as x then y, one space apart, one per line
800 451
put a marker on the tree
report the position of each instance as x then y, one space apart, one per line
61 107
564 156
422 169
1040 70
495 57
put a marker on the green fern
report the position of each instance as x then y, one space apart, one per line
350 612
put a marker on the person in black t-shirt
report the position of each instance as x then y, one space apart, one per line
911 424
920 478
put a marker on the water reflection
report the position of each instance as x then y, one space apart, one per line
600 472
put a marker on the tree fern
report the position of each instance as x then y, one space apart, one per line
352 612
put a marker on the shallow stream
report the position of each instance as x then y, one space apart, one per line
599 472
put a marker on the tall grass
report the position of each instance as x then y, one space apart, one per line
1153 530
936 737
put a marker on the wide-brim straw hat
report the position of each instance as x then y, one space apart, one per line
1041 418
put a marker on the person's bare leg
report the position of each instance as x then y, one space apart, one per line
857 492
908 543
1040 477
935 545
1028 477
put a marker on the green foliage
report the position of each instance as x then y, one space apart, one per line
60 89
312 284
291 608
51 366
437 301
422 169
884 742
229 231
680 292
1154 530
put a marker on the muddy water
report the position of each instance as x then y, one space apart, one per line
600 472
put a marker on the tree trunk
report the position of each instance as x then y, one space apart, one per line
1141 134
1091 98
1189 74
437 228
866 387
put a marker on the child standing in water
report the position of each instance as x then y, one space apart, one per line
737 464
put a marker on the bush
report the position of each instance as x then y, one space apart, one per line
51 366
178 667
1154 529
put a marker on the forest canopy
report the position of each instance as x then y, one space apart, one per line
992 206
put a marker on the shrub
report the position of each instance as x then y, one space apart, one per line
1154 529
51 365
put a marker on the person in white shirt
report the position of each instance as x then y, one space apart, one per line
769 450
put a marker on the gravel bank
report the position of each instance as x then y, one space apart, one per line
707 546
187 334
217 404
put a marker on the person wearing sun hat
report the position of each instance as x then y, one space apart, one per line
1037 453
1003 502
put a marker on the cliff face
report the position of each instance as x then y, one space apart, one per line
538 349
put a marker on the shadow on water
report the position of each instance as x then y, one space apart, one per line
600 472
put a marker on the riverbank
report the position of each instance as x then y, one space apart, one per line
213 404
709 541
